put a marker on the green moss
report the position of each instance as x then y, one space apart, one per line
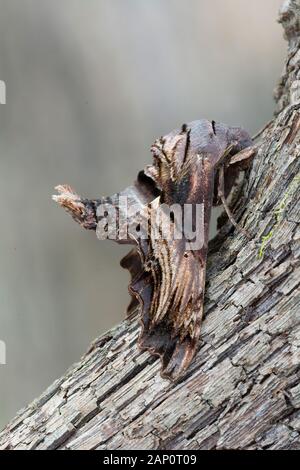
264 241
278 213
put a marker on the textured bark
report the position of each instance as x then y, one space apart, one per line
243 388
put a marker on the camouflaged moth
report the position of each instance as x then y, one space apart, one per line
196 165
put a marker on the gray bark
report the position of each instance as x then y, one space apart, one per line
243 388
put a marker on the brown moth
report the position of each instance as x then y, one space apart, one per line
195 166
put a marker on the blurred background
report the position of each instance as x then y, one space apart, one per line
90 85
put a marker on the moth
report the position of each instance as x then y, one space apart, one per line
194 166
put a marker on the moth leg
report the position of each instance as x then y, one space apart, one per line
243 158
221 195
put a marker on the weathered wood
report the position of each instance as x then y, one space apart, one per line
242 390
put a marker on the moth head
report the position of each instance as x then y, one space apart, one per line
238 139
